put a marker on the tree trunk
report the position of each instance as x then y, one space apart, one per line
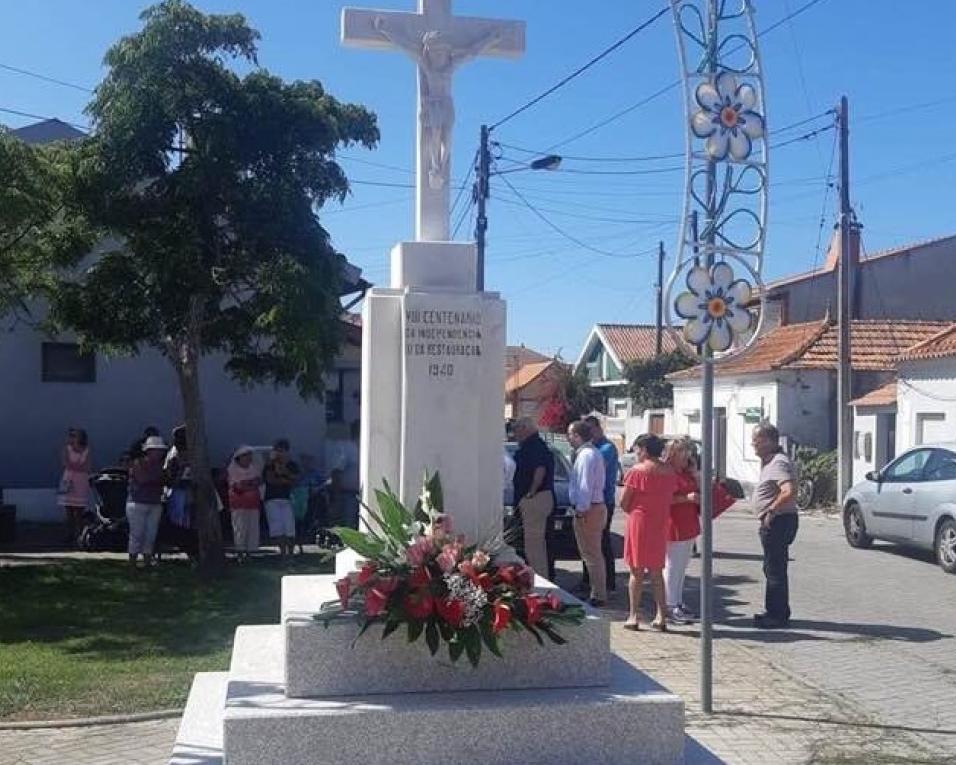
186 362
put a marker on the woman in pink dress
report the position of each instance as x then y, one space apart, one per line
74 489
648 489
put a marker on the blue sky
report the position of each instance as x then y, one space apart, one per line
893 60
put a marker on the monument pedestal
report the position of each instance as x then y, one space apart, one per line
247 716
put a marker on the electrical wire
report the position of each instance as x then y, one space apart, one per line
18 113
561 231
828 184
580 70
45 78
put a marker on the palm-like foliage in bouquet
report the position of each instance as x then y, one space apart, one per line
418 574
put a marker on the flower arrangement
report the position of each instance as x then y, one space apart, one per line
418 574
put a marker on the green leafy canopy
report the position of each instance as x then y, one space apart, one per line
647 385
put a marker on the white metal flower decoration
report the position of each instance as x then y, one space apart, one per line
715 307
726 117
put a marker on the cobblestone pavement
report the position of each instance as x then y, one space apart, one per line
865 674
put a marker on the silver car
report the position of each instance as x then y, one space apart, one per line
911 501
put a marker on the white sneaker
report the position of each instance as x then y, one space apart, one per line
681 615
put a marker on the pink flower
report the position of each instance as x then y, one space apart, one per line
417 552
553 601
480 559
441 525
343 586
447 559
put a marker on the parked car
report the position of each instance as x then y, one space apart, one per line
911 501
560 533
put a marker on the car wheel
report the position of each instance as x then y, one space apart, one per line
946 545
855 527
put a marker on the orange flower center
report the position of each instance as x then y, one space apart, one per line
729 117
716 307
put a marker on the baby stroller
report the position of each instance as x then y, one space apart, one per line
105 528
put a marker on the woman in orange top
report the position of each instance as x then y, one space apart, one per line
648 489
683 527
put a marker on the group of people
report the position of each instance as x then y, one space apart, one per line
159 480
661 497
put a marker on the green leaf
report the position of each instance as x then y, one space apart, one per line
555 637
415 629
472 640
390 626
368 623
455 648
533 631
432 637
361 543
490 639
394 516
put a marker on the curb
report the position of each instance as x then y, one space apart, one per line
89 722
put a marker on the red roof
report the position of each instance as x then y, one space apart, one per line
528 374
876 345
882 396
636 342
939 346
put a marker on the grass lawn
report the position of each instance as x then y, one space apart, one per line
87 637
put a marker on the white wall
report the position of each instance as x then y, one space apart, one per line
926 388
635 426
870 438
799 403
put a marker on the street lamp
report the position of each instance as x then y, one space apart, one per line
482 191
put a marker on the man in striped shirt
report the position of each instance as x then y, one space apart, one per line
587 501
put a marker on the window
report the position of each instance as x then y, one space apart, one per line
931 426
65 363
941 466
856 445
908 468
868 447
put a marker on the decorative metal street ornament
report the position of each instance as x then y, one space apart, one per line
723 227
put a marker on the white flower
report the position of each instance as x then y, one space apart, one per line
715 307
726 117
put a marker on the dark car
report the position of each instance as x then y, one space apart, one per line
560 531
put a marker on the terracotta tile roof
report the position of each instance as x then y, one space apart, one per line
939 346
633 342
771 351
883 396
876 345
527 374
519 355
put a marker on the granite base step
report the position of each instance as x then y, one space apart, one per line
630 720
333 660
199 740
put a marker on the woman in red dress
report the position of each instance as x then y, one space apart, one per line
683 527
648 489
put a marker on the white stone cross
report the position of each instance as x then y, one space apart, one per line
438 42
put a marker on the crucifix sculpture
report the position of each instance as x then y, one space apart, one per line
438 42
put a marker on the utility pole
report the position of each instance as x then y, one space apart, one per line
659 345
845 277
482 173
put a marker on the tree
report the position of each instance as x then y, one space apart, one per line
573 398
647 385
206 187
32 226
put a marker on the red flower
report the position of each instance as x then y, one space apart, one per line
554 602
506 574
484 581
502 617
451 610
375 601
387 584
525 577
467 569
420 577
365 574
419 604
343 586
532 604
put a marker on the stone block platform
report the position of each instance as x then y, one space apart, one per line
334 661
246 716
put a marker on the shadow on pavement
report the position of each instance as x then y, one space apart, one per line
696 753
810 629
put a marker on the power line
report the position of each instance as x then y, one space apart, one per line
646 100
560 230
580 70
45 78
19 113
804 137
828 184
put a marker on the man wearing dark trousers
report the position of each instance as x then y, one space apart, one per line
611 468
775 502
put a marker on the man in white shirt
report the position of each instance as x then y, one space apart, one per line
586 491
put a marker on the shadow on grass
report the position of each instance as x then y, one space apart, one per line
99 609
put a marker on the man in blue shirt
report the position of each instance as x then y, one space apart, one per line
612 465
